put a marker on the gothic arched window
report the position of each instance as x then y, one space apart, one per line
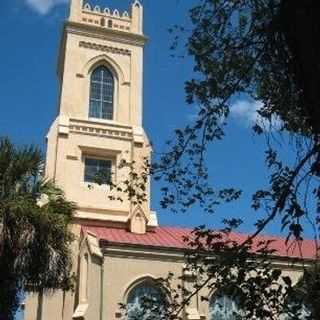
296 309
146 301
223 307
101 93
300 312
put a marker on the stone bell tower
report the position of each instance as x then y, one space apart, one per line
99 121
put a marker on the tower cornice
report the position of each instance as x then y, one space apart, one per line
93 31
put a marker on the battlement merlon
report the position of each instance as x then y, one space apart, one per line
104 17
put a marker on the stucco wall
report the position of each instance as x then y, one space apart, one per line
121 272
112 277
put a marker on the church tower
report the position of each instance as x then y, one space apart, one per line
99 121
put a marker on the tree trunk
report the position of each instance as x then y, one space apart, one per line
301 27
9 286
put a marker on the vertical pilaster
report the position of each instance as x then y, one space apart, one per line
137 17
75 10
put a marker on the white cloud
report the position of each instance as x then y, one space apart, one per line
246 112
44 6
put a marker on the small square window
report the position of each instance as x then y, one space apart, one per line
98 171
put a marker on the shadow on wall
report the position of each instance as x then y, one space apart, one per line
40 305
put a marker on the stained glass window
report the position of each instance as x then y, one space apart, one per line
223 307
101 94
297 310
146 301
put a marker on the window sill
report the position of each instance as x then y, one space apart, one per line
100 120
95 186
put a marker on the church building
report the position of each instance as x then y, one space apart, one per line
120 249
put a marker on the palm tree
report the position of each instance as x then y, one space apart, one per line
34 234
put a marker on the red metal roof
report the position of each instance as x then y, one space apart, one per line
172 238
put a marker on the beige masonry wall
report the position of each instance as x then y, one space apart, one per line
69 170
122 271
133 266
83 52
125 267
111 278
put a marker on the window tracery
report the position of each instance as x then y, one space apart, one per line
101 94
146 301
223 307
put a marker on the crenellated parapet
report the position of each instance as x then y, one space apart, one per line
106 12
127 21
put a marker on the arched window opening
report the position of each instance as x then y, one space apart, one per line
296 309
146 301
224 307
101 94
300 312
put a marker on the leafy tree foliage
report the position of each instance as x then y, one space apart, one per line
265 51
241 48
34 235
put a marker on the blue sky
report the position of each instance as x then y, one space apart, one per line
30 32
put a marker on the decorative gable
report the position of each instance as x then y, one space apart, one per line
93 244
138 221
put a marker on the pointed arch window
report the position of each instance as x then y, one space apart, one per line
296 307
101 94
224 307
146 301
